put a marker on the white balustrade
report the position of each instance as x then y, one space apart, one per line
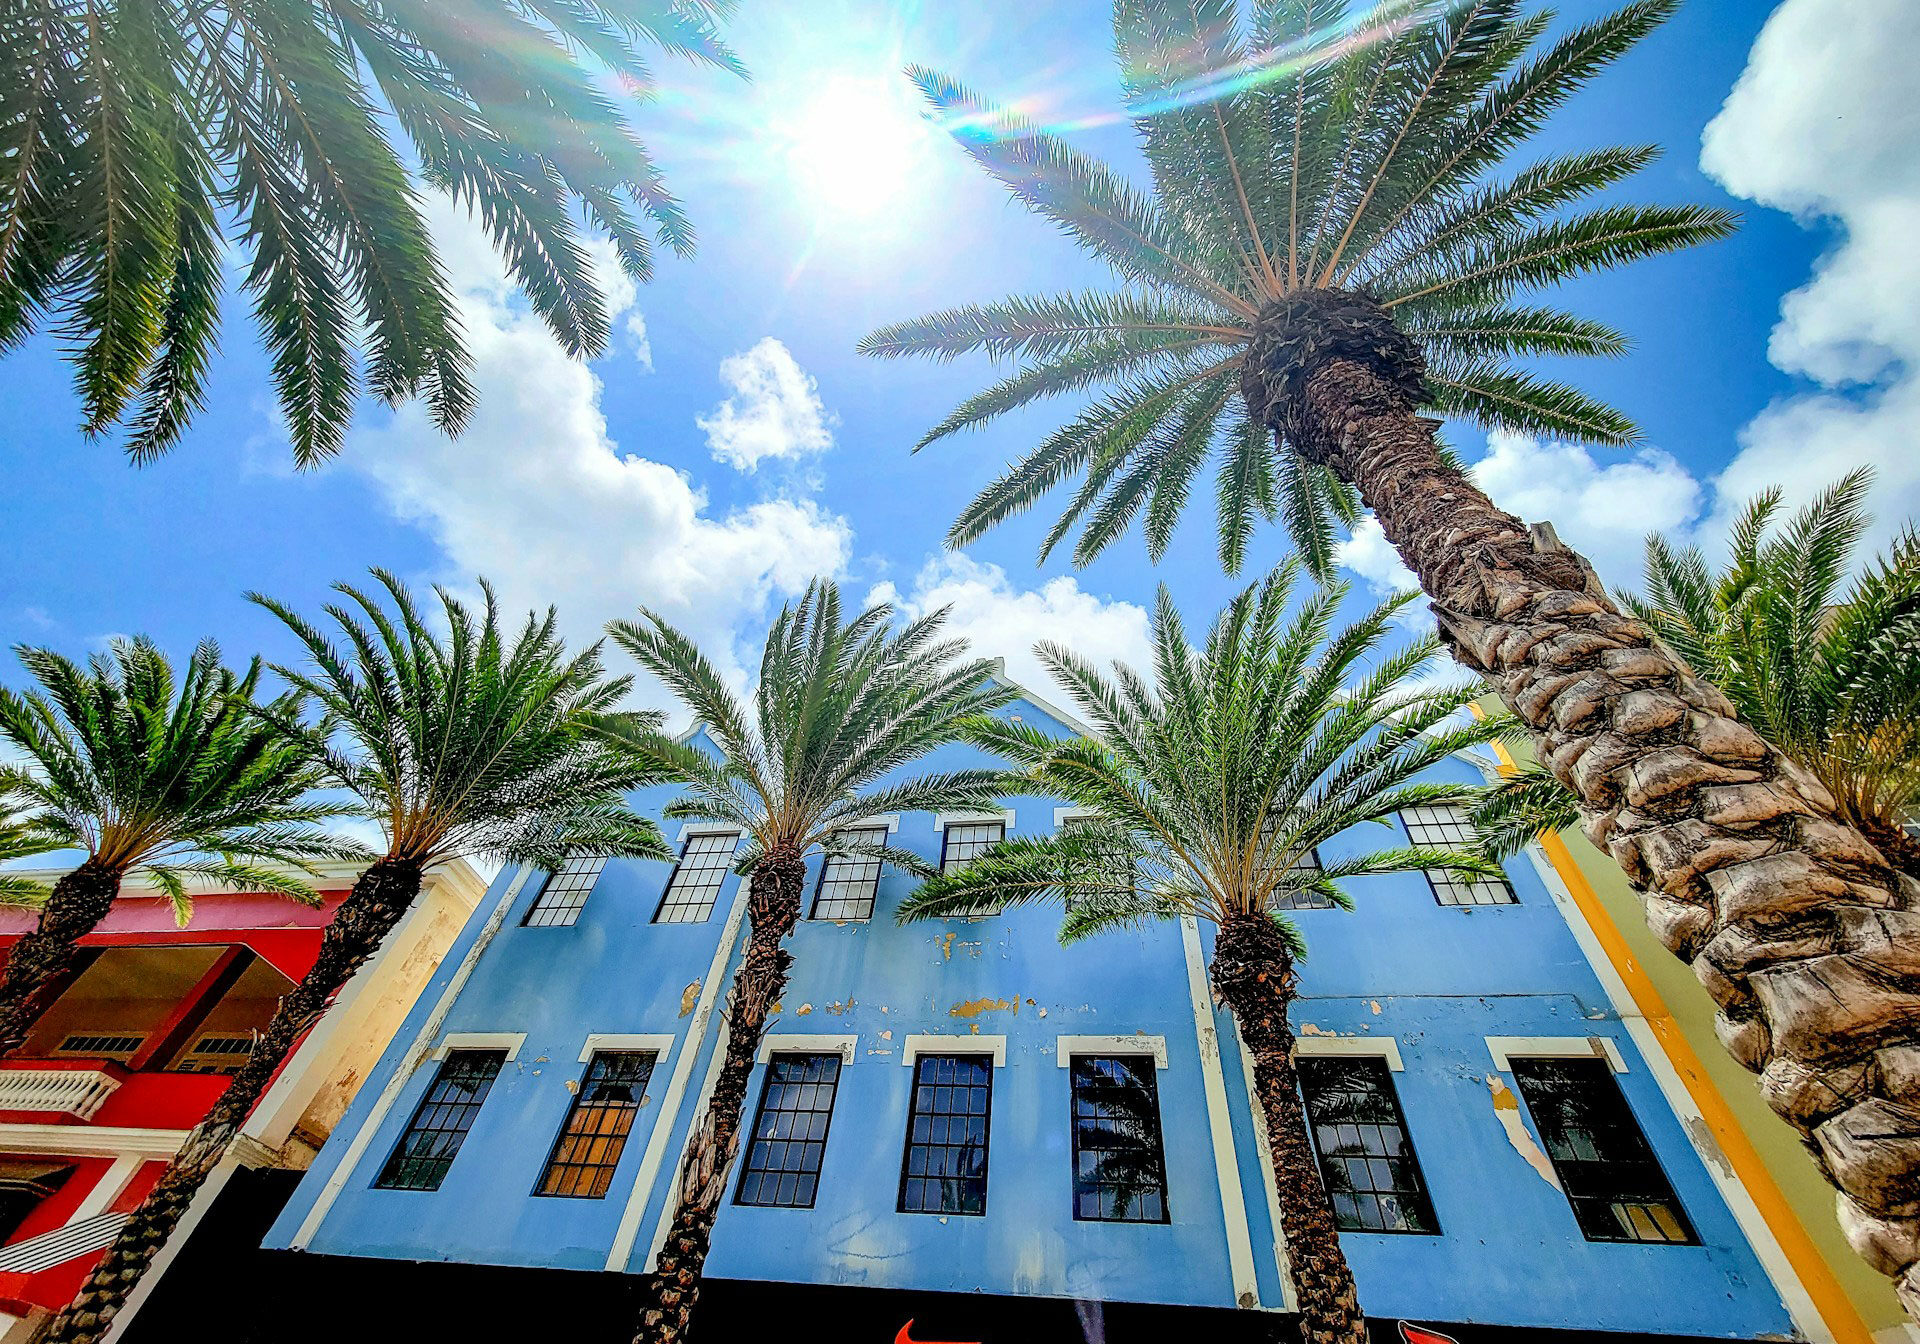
77 1092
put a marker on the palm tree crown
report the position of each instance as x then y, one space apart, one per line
1320 184
839 706
183 777
132 128
473 744
1210 790
20 840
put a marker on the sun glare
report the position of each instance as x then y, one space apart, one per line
853 146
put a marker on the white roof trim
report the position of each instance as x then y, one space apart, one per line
660 1044
510 1041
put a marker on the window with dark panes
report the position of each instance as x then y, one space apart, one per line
1120 874
1119 1167
1366 1158
945 1169
697 878
440 1123
848 882
1606 1167
782 1169
565 893
1309 862
965 840
582 1163
1445 827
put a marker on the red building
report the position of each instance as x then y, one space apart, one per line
140 1042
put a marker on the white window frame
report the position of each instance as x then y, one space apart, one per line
927 1043
1507 1048
510 1041
1364 1047
942 820
661 1044
800 1043
1139 1045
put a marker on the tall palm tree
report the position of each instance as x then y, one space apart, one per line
471 744
841 711
1827 670
132 130
180 777
1332 247
20 839
1209 792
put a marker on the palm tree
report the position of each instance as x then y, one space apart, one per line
469 745
137 769
134 129
1208 793
1830 673
19 839
840 711
1331 248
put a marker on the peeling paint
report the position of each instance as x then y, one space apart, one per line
837 1009
1708 1147
975 1007
1506 1109
887 1035
688 997
1308 1029
946 946
573 1086
1043 1012
540 1059
1375 1005
974 1028
803 1010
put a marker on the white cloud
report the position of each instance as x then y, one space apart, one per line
537 497
773 409
1369 554
1823 123
642 347
1003 621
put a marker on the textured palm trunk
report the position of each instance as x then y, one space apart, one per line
1253 974
672 1291
1803 934
74 908
382 895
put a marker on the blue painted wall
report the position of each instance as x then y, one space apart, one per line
1438 980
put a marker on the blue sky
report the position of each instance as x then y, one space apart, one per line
751 446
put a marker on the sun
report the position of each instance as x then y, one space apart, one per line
853 146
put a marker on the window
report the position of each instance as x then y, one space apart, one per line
1608 1171
965 840
696 880
440 1124
1308 862
588 1149
945 1170
216 1054
566 891
114 1045
1119 1169
1366 1158
1445 827
790 1132
1121 873
848 883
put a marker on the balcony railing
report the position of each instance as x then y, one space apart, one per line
76 1087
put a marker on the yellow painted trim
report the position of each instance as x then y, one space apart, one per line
1829 1299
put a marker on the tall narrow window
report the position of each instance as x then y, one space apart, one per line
1119 1168
697 878
1117 872
1606 1167
945 1170
582 1163
565 893
965 840
848 882
790 1132
1308 862
1445 827
1366 1159
440 1124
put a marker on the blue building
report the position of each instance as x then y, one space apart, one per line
1509 1150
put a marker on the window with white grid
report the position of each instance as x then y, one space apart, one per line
1120 872
697 879
565 893
1444 827
1308 862
848 881
966 840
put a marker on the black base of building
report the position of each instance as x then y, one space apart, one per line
222 1289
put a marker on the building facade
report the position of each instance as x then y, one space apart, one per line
139 1041
966 1124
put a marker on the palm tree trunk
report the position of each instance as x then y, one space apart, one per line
381 896
75 907
1253 974
773 907
1803 934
